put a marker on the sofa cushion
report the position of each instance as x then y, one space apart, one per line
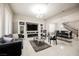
7 39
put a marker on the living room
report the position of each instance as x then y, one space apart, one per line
52 26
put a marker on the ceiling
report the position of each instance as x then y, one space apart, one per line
52 8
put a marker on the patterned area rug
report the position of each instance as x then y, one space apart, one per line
39 45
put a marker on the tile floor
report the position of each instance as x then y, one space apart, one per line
61 49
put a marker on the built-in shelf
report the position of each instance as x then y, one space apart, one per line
21 28
32 33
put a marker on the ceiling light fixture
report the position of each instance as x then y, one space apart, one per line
39 10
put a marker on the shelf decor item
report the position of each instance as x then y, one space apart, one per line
21 23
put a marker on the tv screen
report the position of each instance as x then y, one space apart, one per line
32 27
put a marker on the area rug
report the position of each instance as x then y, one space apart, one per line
39 45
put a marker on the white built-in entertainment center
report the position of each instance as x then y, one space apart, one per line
30 29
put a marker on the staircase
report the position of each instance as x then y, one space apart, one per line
75 31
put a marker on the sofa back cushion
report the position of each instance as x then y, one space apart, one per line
10 35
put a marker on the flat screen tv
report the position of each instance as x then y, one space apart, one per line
32 27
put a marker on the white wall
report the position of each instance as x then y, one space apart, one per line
66 16
51 28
